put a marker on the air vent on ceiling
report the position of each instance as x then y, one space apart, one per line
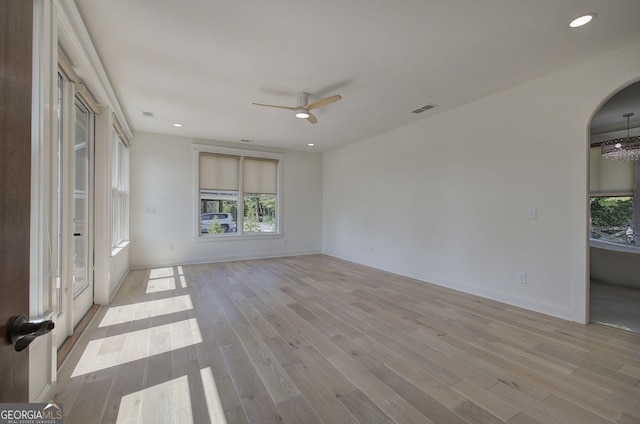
423 108
147 114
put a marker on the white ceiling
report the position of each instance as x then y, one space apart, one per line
203 62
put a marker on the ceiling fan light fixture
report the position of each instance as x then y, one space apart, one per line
303 108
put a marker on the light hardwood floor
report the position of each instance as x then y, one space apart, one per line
314 339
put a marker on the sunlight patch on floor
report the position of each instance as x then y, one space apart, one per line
161 284
183 280
168 402
160 273
164 279
116 350
214 405
143 310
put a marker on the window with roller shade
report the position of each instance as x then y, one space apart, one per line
259 187
612 190
238 193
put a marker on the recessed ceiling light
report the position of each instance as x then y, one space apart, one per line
582 20
310 144
177 125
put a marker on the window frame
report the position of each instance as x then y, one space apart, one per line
120 191
241 154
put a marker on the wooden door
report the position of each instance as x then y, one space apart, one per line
16 32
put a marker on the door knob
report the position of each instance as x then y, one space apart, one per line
22 332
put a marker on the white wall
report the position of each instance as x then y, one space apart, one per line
162 178
446 199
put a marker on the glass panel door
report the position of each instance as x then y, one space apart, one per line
80 201
57 221
82 275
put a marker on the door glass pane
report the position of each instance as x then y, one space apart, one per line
80 202
58 219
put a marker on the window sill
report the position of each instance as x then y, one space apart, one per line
116 250
236 237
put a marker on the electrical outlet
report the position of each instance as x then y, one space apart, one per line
522 277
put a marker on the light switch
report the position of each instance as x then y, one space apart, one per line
532 213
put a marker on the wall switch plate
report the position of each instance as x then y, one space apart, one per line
532 213
522 277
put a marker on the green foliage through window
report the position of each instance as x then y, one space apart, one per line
610 218
611 211
215 227
259 213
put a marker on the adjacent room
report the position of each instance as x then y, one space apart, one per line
340 212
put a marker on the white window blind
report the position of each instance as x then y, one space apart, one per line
259 176
218 172
608 177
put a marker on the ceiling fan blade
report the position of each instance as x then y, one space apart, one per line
279 107
323 102
312 118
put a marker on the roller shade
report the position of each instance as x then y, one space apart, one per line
81 90
608 177
118 128
259 176
218 172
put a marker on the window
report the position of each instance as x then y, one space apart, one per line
82 213
612 219
238 191
119 191
259 187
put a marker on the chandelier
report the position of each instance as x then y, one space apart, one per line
625 149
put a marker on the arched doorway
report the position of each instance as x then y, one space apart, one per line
614 218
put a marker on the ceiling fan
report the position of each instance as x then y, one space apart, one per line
303 107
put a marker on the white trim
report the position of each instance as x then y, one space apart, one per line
237 237
39 164
241 153
42 352
84 56
115 289
119 248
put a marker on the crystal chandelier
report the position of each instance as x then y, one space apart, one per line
625 149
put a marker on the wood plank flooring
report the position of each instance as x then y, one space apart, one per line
314 339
